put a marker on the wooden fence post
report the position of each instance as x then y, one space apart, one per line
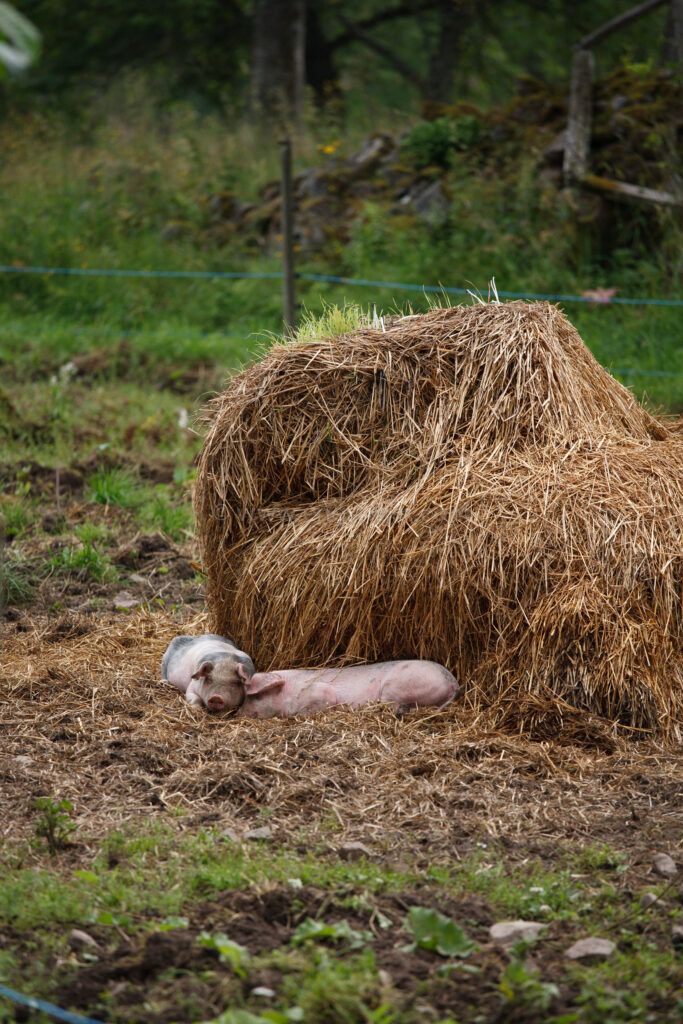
289 311
580 116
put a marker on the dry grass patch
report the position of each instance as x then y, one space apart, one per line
85 718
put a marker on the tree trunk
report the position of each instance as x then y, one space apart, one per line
321 71
278 61
454 17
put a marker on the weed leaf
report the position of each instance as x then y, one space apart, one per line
434 931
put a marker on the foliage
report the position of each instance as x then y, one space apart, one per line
434 931
522 987
434 142
54 824
312 930
229 952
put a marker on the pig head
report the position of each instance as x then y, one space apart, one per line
210 669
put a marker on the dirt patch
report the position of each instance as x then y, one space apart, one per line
152 976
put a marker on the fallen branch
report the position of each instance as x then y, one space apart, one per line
623 192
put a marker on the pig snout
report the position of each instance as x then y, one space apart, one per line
215 703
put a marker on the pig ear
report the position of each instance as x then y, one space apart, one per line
243 674
204 669
264 682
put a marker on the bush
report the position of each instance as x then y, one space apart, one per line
434 142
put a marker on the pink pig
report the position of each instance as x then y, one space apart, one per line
411 684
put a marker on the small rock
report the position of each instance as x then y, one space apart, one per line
586 950
137 578
664 865
647 900
429 202
78 939
263 991
265 832
677 935
232 835
354 851
505 933
125 601
384 978
426 1011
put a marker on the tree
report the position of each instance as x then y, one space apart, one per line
278 64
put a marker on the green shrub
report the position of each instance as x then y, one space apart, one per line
434 142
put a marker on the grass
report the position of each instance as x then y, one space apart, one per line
114 487
113 187
83 560
156 879
17 580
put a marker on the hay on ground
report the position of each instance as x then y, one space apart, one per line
468 486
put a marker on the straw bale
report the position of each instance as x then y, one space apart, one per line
468 486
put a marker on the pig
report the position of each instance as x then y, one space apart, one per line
405 684
210 669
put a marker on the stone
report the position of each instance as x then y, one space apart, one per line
263 991
232 835
354 851
125 601
78 939
647 900
429 202
135 577
374 149
505 933
587 950
555 151
664 865
677 935
265 832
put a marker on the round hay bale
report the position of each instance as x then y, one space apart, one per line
468 486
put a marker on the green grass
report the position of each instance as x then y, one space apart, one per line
16 515
111 190
18 580
84 561
114 487
154 880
